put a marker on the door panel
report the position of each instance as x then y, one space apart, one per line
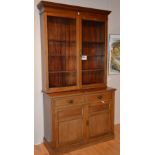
99 124
70 131
99 119
70 125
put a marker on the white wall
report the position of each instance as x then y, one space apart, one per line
38 98
114 28
113 80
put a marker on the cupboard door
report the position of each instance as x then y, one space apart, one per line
70 125
99 120
62 52
93 52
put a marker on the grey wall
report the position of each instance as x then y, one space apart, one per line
113 80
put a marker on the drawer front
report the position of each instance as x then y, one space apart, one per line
96 108
100 97
70 113
73 100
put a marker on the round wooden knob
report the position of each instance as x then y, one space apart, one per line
71 102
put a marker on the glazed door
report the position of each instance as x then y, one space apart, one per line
93 54
62 52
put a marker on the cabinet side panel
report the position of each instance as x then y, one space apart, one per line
47 118
106 52
43 51
112 111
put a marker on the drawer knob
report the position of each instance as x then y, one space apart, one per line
71 102
100 97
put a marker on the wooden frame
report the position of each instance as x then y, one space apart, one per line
114 39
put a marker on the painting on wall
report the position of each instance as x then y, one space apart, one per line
114 54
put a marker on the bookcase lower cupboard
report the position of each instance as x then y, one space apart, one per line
78 104
78 117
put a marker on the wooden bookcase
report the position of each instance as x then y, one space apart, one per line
78 105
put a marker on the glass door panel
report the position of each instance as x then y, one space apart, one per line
93 52
62 57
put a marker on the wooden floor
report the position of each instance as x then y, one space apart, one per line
111 147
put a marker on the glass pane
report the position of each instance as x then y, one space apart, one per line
62 51
93 52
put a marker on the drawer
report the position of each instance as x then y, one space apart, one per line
100 97
99 107
69 101
70 113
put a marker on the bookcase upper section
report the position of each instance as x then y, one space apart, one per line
74 47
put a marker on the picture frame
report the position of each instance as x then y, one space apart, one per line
114 54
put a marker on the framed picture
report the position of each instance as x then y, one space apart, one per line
114 54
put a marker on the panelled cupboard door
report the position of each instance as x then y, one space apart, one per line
99 120
94 58
62 57
70 126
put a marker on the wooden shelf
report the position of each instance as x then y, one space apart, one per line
62 41
62 55
52 72
92 70
102 55
75 55
93 42
62 78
